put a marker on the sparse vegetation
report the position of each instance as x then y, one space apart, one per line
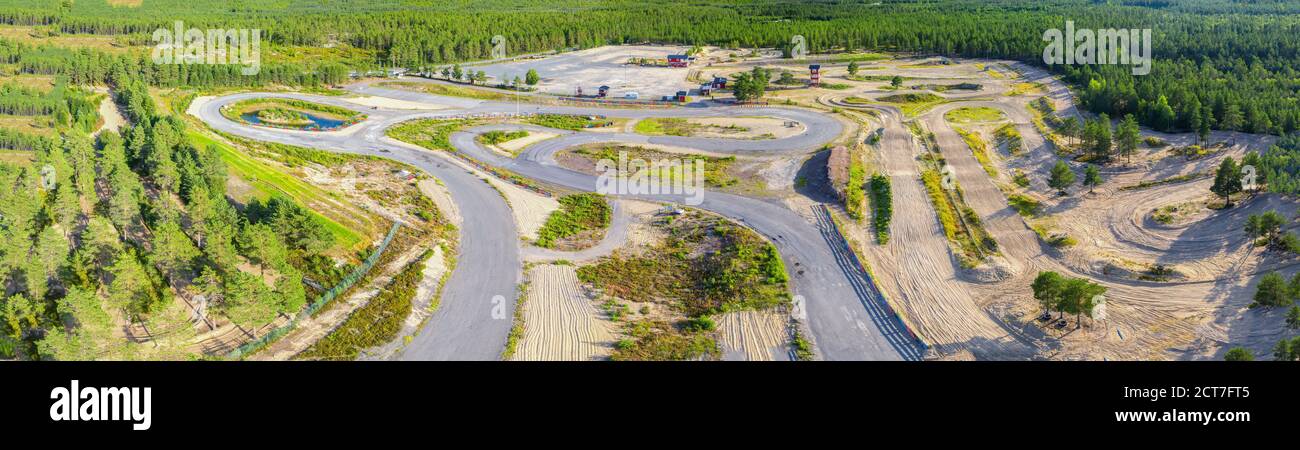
375 323
578 213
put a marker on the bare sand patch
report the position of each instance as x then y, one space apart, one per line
754 335
113 119
514 146
560 322
391 103
438 193
748 128
594 67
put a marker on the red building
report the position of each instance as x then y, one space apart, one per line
815 74
678 60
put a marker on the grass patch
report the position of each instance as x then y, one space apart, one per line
854 193
375 323
1025 89
495 137
705 265
662 341
449 90
1007 135
961 225
1025 205
348 224
980 149
578 213
717 170
974 114
21 158
568 121
288 112
882 206
913 104
433 134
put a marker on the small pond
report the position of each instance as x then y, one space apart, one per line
317 122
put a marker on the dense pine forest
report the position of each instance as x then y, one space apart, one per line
1226 56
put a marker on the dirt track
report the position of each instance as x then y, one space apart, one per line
560 322
1193 316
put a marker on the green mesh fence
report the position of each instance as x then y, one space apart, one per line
325 298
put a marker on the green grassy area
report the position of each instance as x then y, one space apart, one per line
974 114
495 137
980 149
1009 136
568 122
375 323
882 206
742 271
1023 204
854 194
451 90
858 57
661 341
870 78
913 104
267 181
961 225
718 171
673 126
1025 89
578 213
433 134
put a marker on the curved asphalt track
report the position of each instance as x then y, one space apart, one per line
845 313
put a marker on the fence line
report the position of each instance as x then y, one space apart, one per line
343 285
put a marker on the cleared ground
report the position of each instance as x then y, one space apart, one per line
560 322
592 68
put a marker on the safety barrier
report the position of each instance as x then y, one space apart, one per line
343 285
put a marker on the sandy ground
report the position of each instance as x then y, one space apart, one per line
754 336
560 322
591 68
113 119
442 198
755 128
529 208
514 146
1198 312
391 103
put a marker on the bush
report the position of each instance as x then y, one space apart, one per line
882 204
375 323
1238 354
702 323
577 213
